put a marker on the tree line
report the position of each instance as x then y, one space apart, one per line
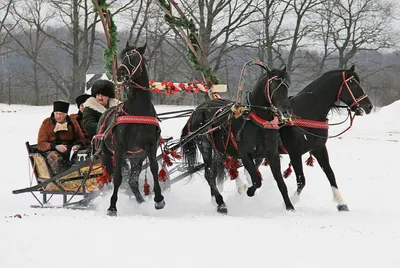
48 46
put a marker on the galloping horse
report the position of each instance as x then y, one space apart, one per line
134 129
252 134
308 132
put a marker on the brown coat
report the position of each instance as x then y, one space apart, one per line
47 139
79 118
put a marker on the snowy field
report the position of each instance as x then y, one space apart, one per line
188 232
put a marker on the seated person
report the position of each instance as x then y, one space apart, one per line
58 135
103 97
80 100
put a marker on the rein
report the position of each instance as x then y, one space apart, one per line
305 123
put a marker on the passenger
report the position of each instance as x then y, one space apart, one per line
80 100
58 135
103 97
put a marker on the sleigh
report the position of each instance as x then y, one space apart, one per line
79 184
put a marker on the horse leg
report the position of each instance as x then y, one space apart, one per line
135 169
321 154
300 179
275 165
112 210
210 173
158 197
241 187
249 165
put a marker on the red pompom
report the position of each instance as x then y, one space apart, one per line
146 187
310 161
104 178
288 171
232 164
162 175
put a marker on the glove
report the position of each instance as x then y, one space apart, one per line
61 148
75 148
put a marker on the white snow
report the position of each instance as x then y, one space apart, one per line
188 232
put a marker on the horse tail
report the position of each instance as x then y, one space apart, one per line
189 148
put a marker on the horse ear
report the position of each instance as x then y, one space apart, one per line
127 44
284 68
142 49
352 68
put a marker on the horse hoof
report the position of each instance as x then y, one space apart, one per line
222 209
159 205
251 191
342 207
112 213
140 200
290 208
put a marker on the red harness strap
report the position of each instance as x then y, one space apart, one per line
309 123
273 124
137 119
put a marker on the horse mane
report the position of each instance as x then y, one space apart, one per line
316 85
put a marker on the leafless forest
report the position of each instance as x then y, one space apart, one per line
48 46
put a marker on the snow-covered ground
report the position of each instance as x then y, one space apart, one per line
188 232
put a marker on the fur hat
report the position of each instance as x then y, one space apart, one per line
81 99
61 106
103 87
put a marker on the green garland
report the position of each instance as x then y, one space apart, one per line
189 25
111 50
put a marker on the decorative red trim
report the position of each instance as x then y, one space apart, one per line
309 123
136 119
273 124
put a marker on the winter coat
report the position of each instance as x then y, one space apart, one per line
48 139
92 113
79 118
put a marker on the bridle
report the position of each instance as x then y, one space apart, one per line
269 95
134 69
356 101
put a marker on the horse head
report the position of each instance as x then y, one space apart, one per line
132 64
276 92
352 94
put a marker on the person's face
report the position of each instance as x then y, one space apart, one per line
81 107
103 100
60 116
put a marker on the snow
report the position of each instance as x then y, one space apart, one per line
188 232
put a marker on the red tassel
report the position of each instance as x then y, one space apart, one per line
166 159
146 187
288 171
162 175
232 165
310 161
104 178
175 155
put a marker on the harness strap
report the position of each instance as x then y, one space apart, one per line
137 119
273 124
308 123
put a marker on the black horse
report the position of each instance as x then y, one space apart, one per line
133 128
242 134
309 130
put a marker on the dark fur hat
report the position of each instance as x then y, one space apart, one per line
61 106
103 87
81 99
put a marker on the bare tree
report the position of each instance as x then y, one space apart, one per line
30 17
360 25
5 7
